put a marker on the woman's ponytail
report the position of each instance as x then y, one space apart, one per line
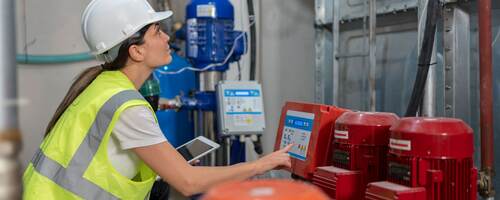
82 81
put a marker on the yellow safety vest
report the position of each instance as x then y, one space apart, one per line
72 162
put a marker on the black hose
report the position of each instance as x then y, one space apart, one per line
253 39
253 54
424 58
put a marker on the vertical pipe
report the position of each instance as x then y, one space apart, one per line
207 82
335 49
209 79
10 138
209 132
429 102
486 94
373 60
228 151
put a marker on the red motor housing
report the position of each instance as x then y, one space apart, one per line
309 127
360 145
432 153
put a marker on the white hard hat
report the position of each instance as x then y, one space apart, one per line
107 23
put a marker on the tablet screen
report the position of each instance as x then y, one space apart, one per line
193 149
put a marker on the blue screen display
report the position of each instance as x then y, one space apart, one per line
298 122
241 93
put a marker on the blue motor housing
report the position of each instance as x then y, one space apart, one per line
210 34
177 126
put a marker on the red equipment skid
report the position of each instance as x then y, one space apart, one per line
339 183
386 191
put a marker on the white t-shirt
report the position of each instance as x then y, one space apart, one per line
136 127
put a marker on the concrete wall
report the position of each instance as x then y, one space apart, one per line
46 27
287 58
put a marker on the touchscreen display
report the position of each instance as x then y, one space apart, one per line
193 149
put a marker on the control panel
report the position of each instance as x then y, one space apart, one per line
309 127
240 108
297 130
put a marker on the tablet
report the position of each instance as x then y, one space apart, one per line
196 148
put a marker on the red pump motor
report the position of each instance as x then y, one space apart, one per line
308 126
431 158
359 154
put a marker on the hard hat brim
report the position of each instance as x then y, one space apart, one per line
163 15
158 16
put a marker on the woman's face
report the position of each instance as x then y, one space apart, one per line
157 49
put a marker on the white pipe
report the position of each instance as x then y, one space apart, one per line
10 186
373 58
429 104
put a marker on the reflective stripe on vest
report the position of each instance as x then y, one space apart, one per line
71 178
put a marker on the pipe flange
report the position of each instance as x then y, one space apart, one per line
10 141
485 183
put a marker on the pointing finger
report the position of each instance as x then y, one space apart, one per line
287 148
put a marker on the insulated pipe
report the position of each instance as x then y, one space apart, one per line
486 98
10 139
373 58
52 59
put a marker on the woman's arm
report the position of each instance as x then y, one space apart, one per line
173 168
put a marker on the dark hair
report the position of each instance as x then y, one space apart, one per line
88 75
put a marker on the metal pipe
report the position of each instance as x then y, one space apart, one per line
429 102
351 55
373 58
10 138
209 132
486 98
209 79
228 151
335 51
365 23
207 82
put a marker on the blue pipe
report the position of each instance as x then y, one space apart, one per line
52 59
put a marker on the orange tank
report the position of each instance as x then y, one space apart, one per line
265 190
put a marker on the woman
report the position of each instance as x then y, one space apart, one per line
103 141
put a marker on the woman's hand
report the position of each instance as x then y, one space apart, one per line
165 160
274 160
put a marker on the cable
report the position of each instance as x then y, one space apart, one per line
253 60
210 66
424 58
253 39
496 38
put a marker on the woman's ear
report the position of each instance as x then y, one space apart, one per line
136 53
